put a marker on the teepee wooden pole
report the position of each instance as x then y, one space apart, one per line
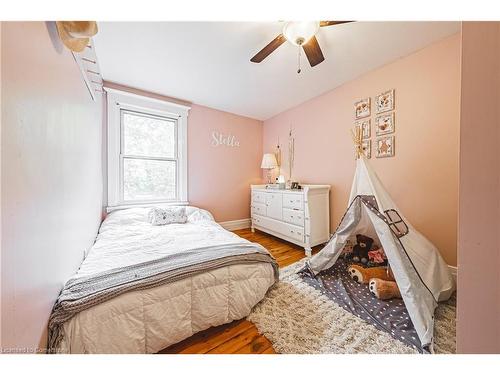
357 140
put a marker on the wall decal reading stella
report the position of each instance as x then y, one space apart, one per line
219 139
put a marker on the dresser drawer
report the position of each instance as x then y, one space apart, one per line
259 209
293 217
297 233
288 230
258 197
274 205
258 221
293 201
267 223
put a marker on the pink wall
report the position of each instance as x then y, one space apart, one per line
51 177
220 177
478 320
0 179
52 174
423 176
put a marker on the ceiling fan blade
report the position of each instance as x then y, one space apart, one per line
313 51
267 50
331 23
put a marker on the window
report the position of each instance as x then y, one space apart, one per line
146 150
148 157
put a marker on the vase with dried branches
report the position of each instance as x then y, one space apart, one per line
291 156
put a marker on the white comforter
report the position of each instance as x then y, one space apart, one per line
147 321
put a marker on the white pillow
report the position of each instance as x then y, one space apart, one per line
196 214
170 215
129 216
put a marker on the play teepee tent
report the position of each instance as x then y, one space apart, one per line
421 274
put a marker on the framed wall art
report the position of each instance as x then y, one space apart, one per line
385 147
365 127
385 101
366 146
384 124
362 108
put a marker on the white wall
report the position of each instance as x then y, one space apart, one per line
51 177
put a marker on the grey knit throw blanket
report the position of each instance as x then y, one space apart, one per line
82 293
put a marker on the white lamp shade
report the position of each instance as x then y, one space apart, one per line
269 161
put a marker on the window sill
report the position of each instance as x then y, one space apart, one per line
145 205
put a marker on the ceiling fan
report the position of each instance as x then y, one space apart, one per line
301 34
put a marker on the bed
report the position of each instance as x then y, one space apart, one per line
142 288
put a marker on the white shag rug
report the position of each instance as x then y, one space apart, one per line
299 319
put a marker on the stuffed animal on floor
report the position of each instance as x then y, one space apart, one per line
383 289
348 246
377 256
361 249
363 274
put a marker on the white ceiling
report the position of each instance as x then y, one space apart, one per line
208 63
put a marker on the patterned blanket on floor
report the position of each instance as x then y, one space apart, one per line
390 316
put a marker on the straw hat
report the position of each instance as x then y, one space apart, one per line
76 34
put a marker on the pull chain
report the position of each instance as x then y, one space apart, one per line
298 62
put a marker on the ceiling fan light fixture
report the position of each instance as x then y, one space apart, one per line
299 33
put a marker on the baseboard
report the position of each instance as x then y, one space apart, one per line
236 224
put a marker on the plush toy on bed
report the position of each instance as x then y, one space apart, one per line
363 274
383 289
361 249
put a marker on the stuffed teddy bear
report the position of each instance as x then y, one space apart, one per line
363 274
361 249
384 289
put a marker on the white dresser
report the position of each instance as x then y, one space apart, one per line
298 216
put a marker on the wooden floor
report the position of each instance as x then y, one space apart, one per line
240 337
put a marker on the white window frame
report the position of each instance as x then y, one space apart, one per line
118 101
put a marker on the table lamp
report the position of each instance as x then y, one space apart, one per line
269 162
